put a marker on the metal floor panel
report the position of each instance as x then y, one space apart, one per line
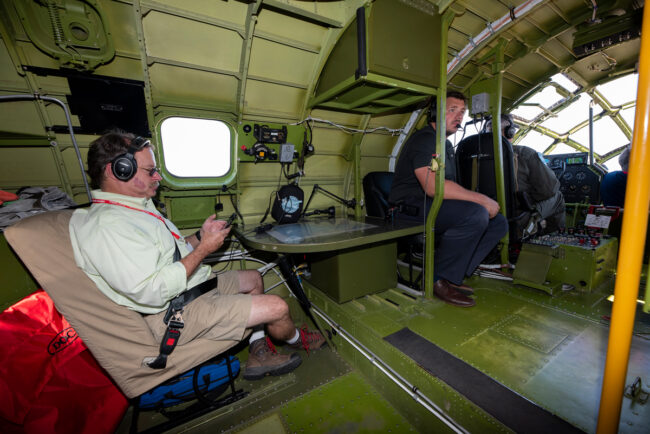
550 350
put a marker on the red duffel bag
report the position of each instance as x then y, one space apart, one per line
49 381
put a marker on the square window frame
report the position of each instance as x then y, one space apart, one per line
174 182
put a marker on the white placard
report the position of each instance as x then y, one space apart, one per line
598 221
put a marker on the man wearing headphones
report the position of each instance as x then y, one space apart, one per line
138 259
534 178
468 225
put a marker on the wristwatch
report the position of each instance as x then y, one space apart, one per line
198 235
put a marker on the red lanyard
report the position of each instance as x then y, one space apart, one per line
110 202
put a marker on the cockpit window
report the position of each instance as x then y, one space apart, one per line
555 119
566 124
604 127
537 141
620 91
196 148
563 81
564 120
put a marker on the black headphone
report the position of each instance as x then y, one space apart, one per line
433 108
511 130
124 166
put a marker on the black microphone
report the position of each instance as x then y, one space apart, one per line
293 175
330 211
263 228
459 127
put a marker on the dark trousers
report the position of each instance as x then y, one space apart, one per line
465 234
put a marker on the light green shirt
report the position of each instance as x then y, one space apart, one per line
129 254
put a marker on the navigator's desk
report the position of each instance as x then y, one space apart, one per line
348 258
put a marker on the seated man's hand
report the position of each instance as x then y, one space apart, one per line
213 233
490 205
211 224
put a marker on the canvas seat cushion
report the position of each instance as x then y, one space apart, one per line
118 338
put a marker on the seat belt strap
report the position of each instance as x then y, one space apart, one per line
174 320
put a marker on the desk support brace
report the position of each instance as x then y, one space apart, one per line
285 263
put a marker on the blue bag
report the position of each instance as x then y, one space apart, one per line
180 389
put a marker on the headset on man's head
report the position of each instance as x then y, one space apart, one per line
124 166
511 129
507 125
433 108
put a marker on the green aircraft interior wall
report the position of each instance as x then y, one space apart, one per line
16 280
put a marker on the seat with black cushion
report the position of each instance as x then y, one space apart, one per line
376 189
475 159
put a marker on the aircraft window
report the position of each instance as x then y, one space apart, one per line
628 116
196 147
612 164
604 127
570 116
537 141
620 91
563 81
546 97
607 134
527 112
562 148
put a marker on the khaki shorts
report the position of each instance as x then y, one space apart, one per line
220 314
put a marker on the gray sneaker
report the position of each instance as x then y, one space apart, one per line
265 360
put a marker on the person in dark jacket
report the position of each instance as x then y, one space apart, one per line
538 183
612 187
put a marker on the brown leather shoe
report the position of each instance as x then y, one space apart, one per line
264 360
462 288
444 291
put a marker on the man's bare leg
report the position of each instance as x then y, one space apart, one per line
263 359
250 282
274 312
270 310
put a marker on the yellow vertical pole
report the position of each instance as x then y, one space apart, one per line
635 220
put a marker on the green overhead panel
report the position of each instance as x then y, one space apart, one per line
74 32
387 58
591 37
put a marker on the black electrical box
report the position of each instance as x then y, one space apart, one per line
265 134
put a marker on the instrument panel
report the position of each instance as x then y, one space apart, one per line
579 181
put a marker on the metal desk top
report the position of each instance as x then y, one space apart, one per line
321 234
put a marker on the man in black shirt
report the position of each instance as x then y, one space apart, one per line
468 225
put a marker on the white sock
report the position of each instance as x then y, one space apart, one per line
258 334
294 339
